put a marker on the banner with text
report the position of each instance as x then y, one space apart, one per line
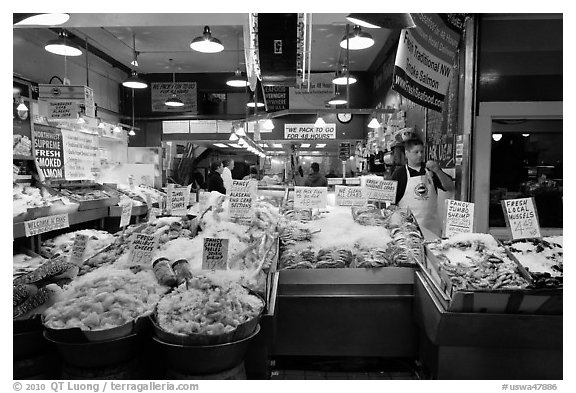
321 90
378 189
48 151
522 218
459 217
185 91
349 196
310 197
424 61
81 155
45 224
241 198
309 131
276 98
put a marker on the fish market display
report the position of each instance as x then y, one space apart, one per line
105 299
141 192
543 258
29 300
207 307
21 145
476 261
28 197
23 264
62 245
52 270
86 194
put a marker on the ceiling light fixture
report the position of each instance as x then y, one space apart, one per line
357 39
135 61
525 135
238 80
39 19
337 100
117 129
61 46
388 21
240 131
80 120
206 43
496 137
173 101
268 124
233 137
101 125
374 122
133 81
21 106
131 133
343 77
320 123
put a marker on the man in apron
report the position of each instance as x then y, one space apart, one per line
418 186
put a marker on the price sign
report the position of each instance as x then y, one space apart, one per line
177 200
142 248
46 224
241 198
126 213
459 217
350 196
78 249
378 189
522 218
310 197
215 255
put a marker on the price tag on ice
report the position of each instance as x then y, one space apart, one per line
459 217
215 255
522 218
142 248
310 197
378 189
241 198
78 248
126 213
349 196
177 201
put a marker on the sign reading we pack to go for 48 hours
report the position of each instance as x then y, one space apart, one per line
522 218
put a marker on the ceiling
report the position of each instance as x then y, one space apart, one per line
164 36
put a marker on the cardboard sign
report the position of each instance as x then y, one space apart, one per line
459 217
48 151
78 248
241 198
310 197
215 255
142 248
177 200
350 196
63 109
378 189
46 224
522 218
126 213
309 131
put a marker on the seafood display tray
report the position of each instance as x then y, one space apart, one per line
116 211
93 203
524 301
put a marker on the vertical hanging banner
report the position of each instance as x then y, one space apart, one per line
425 57
48 151
522 218
459 217
241 198
81 156
185 91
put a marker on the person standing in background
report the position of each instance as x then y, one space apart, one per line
227 173
215 182
315 179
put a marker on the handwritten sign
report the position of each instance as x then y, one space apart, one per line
522 218
48 151
126 213
309 131
81 155
215 255
310 197
350 196
378 189
142 248
185 91
459 217
78 248
177 200
241 197
63 109
46 224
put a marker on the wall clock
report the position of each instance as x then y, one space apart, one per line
344 117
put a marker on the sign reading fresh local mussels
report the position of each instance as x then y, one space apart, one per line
424 60
522 218
48 151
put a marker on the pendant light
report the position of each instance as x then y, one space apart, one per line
233 137
388 21
238 80
206 43
62 46
173 101
374 123
131 133
134 81
135 61
320 123
357 39
240 131
338 99
39 19
343 77
268 124
252 104
21 106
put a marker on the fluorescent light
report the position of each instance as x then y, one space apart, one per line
357 40
496 137
320 145
305 145
277 145
220 145
206 43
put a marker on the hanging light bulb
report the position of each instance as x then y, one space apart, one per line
62 46
344 78
357 40
21 106
338 99
374 123
135 61
233 137
240 131
320 123
268 124
496 137
206 43
117 129
135 82
173 101
131 133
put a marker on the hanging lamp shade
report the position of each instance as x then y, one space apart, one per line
388 21
39 19
132 133
374 123
21 106
62 46
206 43
268 124
240 131
320 122
344 78
174 101
135 82
357 39
251 104
338 99
238 80
233 137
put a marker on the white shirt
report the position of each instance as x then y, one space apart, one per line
227 178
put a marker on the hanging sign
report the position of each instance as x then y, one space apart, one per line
313 95
215 255
310 197
126 213
142 248
241 198
63 109
309 131
48 151
78 248
459 217
81 155
424 61
344 151
350 196
185 91
276 98
46 224
177 201
521 218
378 189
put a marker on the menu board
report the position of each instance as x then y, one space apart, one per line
177 200
48 151
142 248
215 255
378 189
521 218
310 197
78 248
45 224
350 196
459 217
241 197
81 155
